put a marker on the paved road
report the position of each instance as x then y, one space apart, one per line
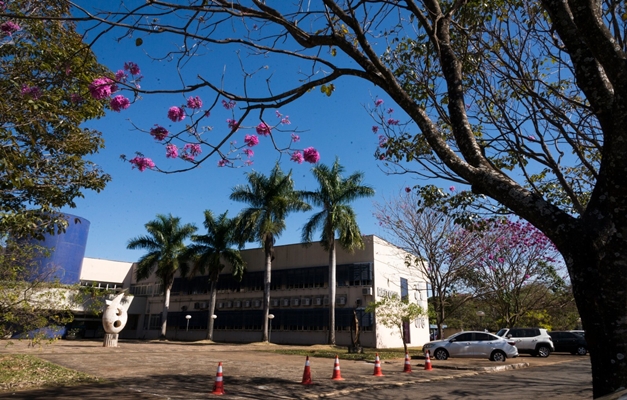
174 370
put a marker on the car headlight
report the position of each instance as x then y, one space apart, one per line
427 346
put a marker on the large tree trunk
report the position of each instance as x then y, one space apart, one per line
212 308
332 285
599 279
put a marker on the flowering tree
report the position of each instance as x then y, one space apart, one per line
46 69
442 251
518 272
524 101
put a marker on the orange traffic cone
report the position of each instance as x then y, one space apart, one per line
307 373
407 363
218 386
337 375
377 366
427 362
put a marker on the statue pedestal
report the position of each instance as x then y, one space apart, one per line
110 340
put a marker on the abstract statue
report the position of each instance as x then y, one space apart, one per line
114 318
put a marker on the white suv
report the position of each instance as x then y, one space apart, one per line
534 341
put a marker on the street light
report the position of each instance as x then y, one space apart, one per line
213 321
187 317
270 317
480 314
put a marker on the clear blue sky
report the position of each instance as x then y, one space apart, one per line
337 126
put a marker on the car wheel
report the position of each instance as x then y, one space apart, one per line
543 351
582 351
440 354
498 355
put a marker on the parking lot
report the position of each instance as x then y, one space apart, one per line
138 370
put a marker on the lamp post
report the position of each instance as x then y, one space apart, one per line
187 317
270 317
480 314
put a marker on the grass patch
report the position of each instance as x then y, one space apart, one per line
20 372
368 354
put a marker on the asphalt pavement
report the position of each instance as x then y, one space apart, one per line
188 370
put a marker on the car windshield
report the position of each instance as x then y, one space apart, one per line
501 332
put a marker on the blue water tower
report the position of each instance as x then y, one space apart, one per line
67 251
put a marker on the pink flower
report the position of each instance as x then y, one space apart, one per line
378 102
192 149
33 91
75 98
194 102
452 188
532 137
132 68
501 259
278 114
295 138
159 132
249 152
263 129
527 276
171 151
9 27
207 113
407 189
119 103
248 163
390 110
176 114
222 163
393 121
232 123
229 106
102 87
297 156
121 75
286 120
142 163
375 129
311 155
382 141
251 140
187 157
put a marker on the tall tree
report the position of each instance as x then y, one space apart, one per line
165 246
45 70
208 253
270 199
523 101
442 250
336 217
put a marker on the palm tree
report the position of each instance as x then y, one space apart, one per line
336 216
208 251
165 246
270 198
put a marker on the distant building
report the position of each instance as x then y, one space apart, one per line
299 298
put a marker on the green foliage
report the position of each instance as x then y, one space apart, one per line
42 145
392 311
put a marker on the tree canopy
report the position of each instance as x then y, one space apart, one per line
45 70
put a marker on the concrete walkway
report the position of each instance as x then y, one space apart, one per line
178 370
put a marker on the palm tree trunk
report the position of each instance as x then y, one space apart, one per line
212 308
266 286
164 314
332 285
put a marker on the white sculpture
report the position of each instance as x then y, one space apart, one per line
114 319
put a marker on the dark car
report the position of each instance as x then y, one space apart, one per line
570 342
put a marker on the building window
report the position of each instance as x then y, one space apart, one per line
155 321
404 290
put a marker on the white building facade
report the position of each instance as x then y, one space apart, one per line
299 299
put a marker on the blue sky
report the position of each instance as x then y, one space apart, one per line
338 126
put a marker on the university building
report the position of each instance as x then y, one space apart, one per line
299 298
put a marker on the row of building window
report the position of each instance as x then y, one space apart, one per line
284 320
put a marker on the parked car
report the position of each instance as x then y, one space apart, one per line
571 342
472 344
534 341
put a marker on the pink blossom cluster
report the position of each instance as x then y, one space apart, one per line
228 105
9 27
232 123
176 114
194 102
297 156
159 132
248 152
311 155
171 151
191 150
263 129
102 88
32 91
132 68
142 163
251 140
119 103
